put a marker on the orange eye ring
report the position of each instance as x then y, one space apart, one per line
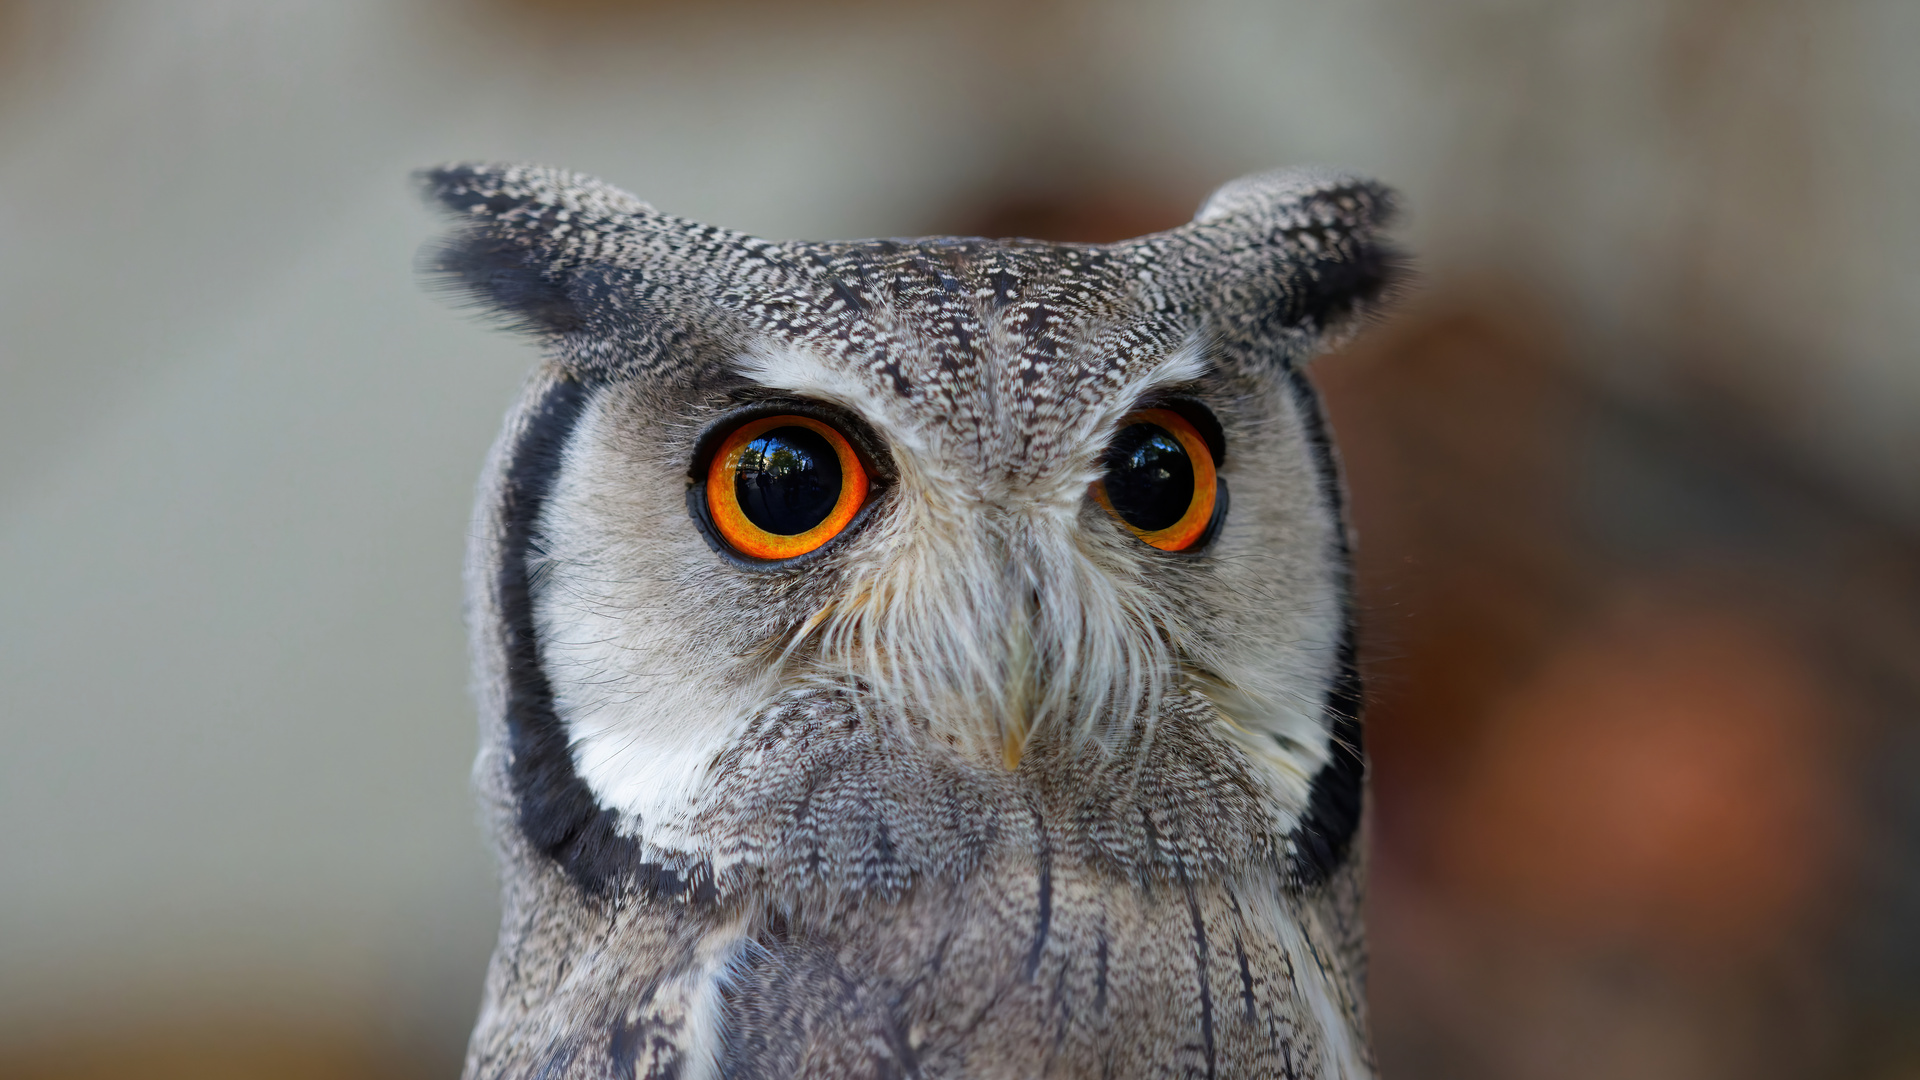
1193 523
730 518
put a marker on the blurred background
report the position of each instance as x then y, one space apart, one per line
1636 474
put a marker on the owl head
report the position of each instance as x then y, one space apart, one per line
821 569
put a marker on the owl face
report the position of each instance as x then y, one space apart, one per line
932 528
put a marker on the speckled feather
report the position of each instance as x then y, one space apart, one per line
853 883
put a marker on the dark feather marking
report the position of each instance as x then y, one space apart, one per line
940 953
1323 839
1246 977
1045 917
1200 964
1100 973
1247 996
883 853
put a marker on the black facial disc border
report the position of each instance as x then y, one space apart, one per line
1323 840
557 811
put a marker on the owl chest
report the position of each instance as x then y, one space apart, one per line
1031 970
1024 969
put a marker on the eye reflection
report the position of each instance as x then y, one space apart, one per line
787 480
1149 477
781 486
1159 480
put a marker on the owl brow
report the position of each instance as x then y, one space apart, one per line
1188 390
1184 371
790 372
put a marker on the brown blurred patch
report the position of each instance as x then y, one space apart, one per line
556 30
1083 214
34 40
1629 674
1604 742
615 9
1662 778
1449 423
240 1049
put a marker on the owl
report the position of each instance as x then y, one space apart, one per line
917 658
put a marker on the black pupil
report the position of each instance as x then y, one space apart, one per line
1149 477
788 480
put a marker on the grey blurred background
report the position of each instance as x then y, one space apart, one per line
1636 469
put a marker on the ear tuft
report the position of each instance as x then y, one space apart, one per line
1329 195
1295 256
524 192
517 247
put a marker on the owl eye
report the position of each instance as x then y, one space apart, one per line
1159 479
781 486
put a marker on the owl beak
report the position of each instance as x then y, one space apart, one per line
1014 729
